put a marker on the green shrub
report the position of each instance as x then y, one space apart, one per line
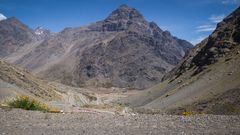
28 103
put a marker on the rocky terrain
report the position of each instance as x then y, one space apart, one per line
37 123
42 33
123 50
94 74
14 81
206 80
14 35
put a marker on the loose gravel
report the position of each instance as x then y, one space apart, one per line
21 122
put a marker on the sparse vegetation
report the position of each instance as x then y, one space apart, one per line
189 113
28 103
24 80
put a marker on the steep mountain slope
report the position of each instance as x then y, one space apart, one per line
124 50
14 81
14 35
207 79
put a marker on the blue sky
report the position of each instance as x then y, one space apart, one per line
192 20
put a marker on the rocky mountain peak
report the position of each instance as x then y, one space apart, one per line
124 12
124 6
123 18
13 21
39 30
42 33
124 50
2 17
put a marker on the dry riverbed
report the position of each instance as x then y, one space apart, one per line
21 122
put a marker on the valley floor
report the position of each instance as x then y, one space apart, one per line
23 122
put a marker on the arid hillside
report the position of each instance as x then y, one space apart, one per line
14 81
207 80
123 50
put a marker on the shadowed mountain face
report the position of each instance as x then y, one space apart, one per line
207 80
124 50
225 38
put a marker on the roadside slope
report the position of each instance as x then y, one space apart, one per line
15 81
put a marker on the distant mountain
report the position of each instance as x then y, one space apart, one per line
207 80
123 50
42 33
14 35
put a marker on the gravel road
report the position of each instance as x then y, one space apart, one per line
21 122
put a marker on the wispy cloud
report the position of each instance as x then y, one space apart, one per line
2 17
206 28
216 18
210 25
230 2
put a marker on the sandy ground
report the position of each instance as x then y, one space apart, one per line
21 122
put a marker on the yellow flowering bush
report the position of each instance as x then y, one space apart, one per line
188 113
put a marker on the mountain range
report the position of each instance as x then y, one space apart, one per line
123 50
126 51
